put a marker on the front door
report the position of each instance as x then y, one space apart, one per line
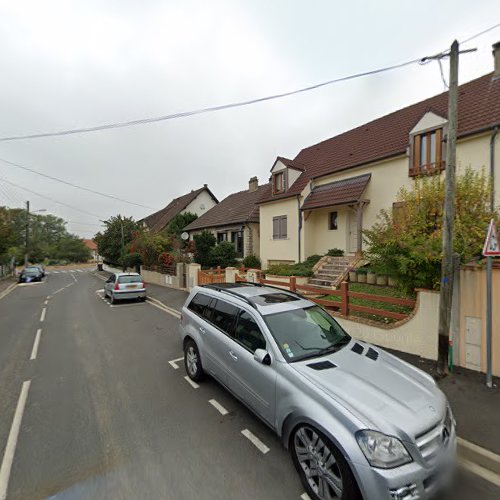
253 382
352 230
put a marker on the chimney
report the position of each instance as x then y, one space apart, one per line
253 184
496 58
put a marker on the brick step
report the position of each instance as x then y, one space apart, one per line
317 281
327 276
332 267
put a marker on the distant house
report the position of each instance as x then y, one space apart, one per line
235 219
197 202
332 191
92 246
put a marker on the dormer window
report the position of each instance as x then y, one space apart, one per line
278 182
427 153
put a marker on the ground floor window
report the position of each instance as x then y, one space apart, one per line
221 237
332 220
237 239
280 227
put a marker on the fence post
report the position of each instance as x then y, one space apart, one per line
293 284
218 269
344 289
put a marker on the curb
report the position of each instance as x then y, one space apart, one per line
7 290
475 454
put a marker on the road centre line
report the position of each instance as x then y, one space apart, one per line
34 352
255 441
218 407
42 317
194 385
10 448
174 364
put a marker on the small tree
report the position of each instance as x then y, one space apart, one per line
224 254
204 242
405 243
252 261
179 222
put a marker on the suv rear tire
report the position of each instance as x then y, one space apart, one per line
313 451
192 361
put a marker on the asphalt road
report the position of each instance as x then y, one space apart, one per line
107 416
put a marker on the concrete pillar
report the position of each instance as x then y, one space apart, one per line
231 273
179 273
192 275
253 275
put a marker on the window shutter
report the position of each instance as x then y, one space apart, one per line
276 227
439 148
283 227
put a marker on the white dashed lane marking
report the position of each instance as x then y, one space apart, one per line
255 441
42 316
34 352
194 385
218 407
174 364
305 496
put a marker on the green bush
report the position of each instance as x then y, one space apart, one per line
252 261
335 252
362 270
223 255
312 260
204 242
300 269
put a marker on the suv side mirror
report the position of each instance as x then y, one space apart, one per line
262 356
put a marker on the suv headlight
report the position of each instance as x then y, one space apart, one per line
384 452
449 421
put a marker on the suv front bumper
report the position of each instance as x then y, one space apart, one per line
408 482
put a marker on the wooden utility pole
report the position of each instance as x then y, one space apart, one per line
448 217
26 243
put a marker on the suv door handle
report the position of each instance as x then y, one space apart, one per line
202 330
231 353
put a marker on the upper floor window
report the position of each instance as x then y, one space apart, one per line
278 182
279 227
427 153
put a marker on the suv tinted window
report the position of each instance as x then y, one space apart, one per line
248 334
223 315
199 302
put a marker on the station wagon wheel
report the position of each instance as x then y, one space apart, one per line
192 361
322 468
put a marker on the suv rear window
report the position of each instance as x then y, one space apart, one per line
223 315
130 279
198 303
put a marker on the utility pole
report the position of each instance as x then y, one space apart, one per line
26 243
123 245
446 289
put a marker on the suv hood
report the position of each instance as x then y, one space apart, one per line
386 394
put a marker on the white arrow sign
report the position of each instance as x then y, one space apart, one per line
491 246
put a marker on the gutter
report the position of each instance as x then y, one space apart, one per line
492 166
300 223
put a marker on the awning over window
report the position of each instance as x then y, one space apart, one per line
337 193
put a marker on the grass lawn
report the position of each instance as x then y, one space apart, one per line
386 291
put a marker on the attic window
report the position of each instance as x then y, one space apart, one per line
278 182
427 153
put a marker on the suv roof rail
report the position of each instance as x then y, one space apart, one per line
229 291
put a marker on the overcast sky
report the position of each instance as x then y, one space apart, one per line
68 64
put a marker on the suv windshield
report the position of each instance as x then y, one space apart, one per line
306 333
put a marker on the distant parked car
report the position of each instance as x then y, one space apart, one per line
122 286
42 269
30 273
359 422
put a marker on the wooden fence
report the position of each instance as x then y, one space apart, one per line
169 270
343 305
209 276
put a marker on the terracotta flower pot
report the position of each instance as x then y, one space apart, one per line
391 281
381 280
362 278
371 278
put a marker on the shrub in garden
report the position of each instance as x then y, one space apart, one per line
335 252
224 254
204 242
252 261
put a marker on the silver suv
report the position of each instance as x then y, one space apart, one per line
358 421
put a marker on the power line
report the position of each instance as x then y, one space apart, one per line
62 181
487 30
51 199
210 109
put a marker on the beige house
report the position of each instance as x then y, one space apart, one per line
331 191
198 201
235 219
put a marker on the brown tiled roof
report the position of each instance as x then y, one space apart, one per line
237 208
388 136
337 193
291 163
159 220
90 244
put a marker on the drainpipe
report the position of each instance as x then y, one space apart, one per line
300 223
492 167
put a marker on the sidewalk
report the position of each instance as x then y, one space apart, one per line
475 407
6 283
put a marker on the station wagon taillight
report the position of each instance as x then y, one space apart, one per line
117 286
